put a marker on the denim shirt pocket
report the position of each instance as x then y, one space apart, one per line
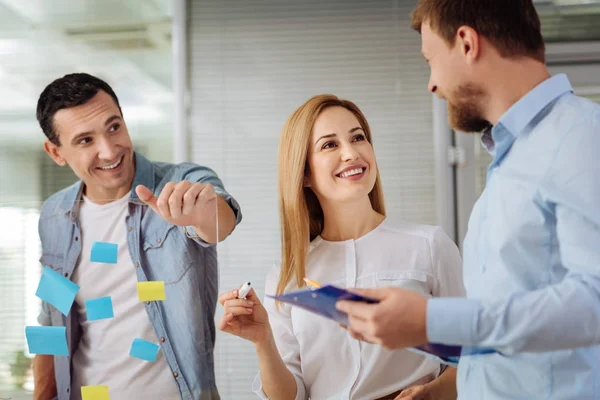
167 257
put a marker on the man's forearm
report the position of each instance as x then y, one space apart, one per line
207 229
43 377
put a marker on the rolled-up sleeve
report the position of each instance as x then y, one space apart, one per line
197 173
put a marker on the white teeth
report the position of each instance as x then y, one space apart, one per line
355 171
112 166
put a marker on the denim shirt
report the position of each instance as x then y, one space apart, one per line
184 323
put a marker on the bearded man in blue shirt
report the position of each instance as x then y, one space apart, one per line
532 250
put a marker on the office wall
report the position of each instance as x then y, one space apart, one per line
252 63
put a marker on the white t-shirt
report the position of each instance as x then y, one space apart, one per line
102 357
327 363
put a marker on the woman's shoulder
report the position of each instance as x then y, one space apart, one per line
399 227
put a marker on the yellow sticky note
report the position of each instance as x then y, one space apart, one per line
150 291
94 393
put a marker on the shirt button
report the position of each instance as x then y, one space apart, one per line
137 265
147 302
130 229
76 238
162 339
175 374
158 241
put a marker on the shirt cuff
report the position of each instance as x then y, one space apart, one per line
452 321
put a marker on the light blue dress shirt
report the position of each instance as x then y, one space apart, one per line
532 256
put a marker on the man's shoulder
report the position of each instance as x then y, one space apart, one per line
57 204
578 110
175 171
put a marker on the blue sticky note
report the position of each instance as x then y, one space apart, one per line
57 290
144 349
50 340
103 252
100 308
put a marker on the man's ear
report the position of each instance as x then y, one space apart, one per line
469 41
53 151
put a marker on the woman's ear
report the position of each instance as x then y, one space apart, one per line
306 181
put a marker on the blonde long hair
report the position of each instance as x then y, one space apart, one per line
301 216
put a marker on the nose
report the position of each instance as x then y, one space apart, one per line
107 150
348 152
431 86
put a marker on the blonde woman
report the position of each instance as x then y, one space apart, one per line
334 230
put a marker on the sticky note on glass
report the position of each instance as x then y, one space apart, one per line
94 393
144 350
103 252
100 308
56 290
151 291
51 340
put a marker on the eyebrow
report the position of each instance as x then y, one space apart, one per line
81 135
330 135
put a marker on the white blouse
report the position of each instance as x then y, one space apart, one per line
327 363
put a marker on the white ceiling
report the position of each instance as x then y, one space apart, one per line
125 42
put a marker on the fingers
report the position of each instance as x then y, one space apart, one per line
237 303
225 321
207 193
253 297
375 294
146 195
356 309
232 294
190 197
163 200
176 198
413 393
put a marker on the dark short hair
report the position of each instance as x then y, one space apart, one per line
512 26
69 91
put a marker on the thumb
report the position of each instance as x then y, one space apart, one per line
252 296
147 196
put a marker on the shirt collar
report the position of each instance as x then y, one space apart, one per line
144 175
514 121
520 114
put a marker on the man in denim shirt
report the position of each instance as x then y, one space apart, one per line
165 220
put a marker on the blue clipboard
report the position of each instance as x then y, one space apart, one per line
322 302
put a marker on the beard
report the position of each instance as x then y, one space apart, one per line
465 109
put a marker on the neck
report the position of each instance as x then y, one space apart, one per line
105 196
345 221
513 79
